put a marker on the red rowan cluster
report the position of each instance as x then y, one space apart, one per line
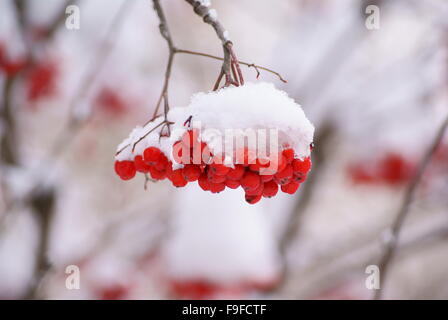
257 176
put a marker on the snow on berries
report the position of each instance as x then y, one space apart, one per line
252 137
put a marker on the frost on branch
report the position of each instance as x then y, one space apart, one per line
253 136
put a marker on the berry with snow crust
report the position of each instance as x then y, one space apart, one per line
200 132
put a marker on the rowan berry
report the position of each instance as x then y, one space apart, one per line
162 162
266 177
284 176
191 172
203 182
232 184
302 166
270 189
125 169
236 173
250 180
178 179
257 191
219 169
291 187
213 178
157 174
151 155
217 187
299 177
140 165
288 154
252 199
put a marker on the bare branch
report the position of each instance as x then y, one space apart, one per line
209 16
165 32
397 225
250 65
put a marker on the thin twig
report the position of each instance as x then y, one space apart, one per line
397 225
164 122
165 32
255 66
210 17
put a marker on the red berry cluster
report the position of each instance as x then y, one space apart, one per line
41 80
257 177
391 169
10 66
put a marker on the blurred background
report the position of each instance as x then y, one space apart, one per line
69 96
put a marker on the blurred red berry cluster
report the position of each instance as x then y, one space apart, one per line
203 289
8 65
258 177
42 80
391 169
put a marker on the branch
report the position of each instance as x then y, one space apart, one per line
255 66
391 245
165 32
230 67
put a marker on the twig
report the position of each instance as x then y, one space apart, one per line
164 122
255 66
230 60
165 32
397 225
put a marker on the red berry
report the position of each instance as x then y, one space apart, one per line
178 179
291 187
42 80
203 182
284 176
254 167
250 180
288 154
270 189
157 174
274 165
236 173
191 172
266 177
257 191
395 169
109 100
282 162
151 155
162 162
252 199
213 178
299 177
125 169
217 187
302 166
140 165
232 184
219 169
169 170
